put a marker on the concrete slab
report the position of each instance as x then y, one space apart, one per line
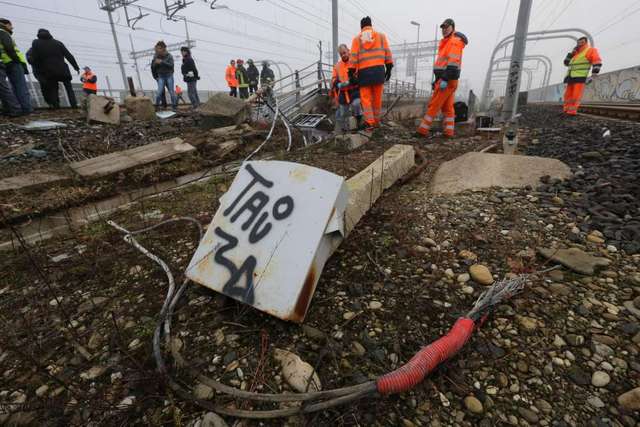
367 186
30 181
41 125
127 159
223 110
103 109
140 108
350 141
476 171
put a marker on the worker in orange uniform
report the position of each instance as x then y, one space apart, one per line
232 81
179 96
370 66
89 82
346 95
447 72
580 61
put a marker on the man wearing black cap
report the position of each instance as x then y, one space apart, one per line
447 72
370 66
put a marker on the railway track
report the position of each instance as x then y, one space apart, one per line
617 110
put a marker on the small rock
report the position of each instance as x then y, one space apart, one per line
596 402
297 373
203 392
429 242
134 344
575 340
527 323
468 255
211 419
578 376
473 405
544 406
612 249
375 305
93 373
481 274
630 401
595 239
126 402
348 315
600 379
559 342
40 391
313 333
464 278
449 273
358 349
528 415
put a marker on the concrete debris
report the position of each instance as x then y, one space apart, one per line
297 373
163 115
42 125
476 171
140 108
575 259
224 110
350 141
102 109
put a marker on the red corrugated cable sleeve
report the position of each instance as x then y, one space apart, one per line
413 372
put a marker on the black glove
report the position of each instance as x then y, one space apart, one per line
387 74
567 60
353 79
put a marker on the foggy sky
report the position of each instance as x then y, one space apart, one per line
291 36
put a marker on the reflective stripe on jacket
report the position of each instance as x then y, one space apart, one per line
370 53
230 76
241 77
449 60
5 58
88 81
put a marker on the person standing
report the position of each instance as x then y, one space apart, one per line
48 57
190 76
370 66
447 72
232 81
254 76
10 105
243 79
266 75
89 82
580 60
162 72
15 66
179 95
346 94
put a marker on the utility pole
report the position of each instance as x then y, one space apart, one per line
510 107
334 24
109 6
135 62
115 41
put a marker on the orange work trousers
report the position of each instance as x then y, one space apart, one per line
572 97
441 100
371 102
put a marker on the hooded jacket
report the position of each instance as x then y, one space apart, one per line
48 56
189 70
449 60
266 75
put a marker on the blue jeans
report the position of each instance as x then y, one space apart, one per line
9 102
192 90
166 82
15 73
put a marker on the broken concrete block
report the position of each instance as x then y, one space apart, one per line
350 141
140 108
268 242
224 110
575 259
103 109
368 185
476 171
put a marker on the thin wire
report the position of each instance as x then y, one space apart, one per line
504 15
627 15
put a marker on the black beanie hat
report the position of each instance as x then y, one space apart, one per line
365 22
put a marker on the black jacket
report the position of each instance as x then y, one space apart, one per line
164 68
189 65
48 55
266 74
253 74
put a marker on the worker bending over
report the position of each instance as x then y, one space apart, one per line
346 94
447 72
579 60
370 66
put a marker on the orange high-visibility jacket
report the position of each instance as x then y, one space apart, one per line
341 75
369 54
88 81
449 59
230 76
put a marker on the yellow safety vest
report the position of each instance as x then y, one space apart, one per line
5 58
579 65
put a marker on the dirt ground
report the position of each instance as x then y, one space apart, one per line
79 314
